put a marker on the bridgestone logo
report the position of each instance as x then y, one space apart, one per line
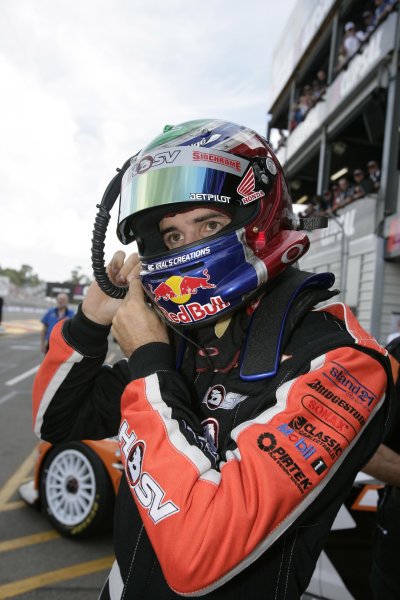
329 395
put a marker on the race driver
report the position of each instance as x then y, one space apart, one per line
243 412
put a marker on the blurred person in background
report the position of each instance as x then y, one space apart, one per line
53 316
383 8
344 193
369 22
362 185
374 173
352 39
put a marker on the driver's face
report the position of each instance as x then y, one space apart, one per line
191 226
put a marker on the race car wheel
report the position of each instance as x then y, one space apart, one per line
75 491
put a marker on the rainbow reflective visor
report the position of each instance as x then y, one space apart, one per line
181 174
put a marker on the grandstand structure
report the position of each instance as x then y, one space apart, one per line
354 119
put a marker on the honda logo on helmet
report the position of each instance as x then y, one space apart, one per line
246 188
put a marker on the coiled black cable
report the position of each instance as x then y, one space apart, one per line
98 260
99 235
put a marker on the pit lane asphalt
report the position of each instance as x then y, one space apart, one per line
35 562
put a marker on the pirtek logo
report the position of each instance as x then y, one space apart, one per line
267 443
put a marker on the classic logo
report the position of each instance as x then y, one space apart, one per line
318 436
217 397
246 188
146 489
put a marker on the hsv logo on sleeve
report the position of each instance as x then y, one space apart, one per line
146 489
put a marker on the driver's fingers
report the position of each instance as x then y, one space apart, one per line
116 263
134 273
130 265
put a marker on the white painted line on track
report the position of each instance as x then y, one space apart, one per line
22 376
26 347
8 397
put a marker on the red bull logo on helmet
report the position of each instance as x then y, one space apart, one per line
180 290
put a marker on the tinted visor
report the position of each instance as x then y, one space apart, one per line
178 175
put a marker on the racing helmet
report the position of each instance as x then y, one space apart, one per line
231 168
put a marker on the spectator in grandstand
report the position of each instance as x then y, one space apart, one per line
322 80
344 195
318 86
328 198
301 106
321 205
341 59
306 100
383 8
362 185
308 211
296 115
352 39
369 22
374 173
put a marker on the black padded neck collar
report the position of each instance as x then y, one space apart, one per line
281 308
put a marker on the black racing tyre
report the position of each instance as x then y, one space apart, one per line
76 493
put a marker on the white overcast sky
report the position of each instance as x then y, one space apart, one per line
86 83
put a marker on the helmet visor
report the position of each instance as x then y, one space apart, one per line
175 175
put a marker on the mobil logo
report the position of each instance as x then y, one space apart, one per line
306 449
180 289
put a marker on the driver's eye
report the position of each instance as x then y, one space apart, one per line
172 239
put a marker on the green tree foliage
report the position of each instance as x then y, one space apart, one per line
23 276
78 277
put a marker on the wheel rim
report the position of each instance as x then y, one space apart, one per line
70 487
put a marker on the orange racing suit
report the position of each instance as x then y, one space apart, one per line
231 485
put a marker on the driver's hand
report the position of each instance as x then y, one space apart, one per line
99 307
135 322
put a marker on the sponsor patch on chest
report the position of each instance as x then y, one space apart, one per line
217 397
